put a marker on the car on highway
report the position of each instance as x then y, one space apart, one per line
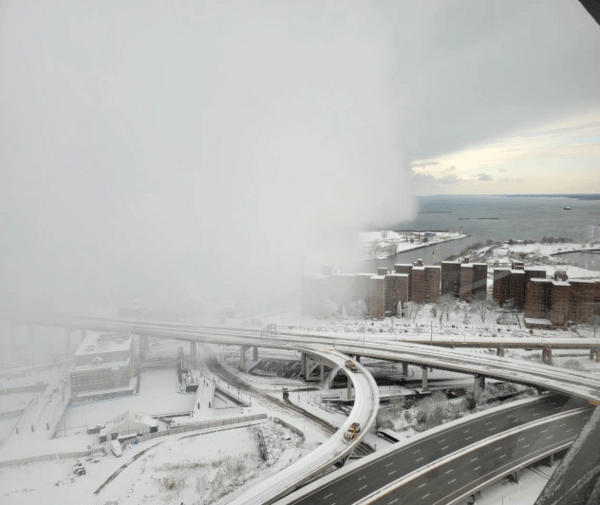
350 365
352 433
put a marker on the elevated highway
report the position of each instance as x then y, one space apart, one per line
568 382
452 462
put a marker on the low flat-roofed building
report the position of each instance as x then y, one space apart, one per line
103 365
129 424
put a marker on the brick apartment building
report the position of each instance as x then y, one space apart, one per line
381 292
464 280
555 302
511 283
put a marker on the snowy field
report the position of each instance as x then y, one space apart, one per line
382 244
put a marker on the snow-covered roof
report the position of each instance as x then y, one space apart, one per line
585 281
396 274
466 265
418 268
97 343
378 277
521 272
560 283
537 279
480 264
535 269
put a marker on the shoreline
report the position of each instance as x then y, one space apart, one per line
420 246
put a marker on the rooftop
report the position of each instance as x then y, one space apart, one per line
98 343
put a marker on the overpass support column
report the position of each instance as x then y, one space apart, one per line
597 355
500 352
350 392
404 368
303 365
517 476
322 372
243 358
424 379
30 334
358 358
549 355
193 354
255 353
592 352
67 341
478 387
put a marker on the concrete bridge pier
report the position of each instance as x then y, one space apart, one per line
592 353
547 355
193 354
404 368
597 355
255 353
500 352
243 349
322 372
302 365
478 387
424 378
358 358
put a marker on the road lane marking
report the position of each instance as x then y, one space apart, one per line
422 485
561 425
444 448
389 464
551 436
449 471
391 473
503 456
453 480
568 431
441 441
466 431
543 431
476 468
521 439
525 446
362 477
468 438
330 494
537 413
474 459
364 487
425 496
393 501
488 423
417 451
491 429
420 459
498 449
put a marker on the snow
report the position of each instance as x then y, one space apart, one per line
379 247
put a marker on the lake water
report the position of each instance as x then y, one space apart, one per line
519 218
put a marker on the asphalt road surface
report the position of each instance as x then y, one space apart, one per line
441 484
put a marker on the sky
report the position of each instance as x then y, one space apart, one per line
198 147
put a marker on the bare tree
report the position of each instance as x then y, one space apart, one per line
447 303
417 310
483 307
594 322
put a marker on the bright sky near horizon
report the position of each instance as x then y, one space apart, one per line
560 157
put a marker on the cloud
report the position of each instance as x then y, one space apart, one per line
484 177
425 164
